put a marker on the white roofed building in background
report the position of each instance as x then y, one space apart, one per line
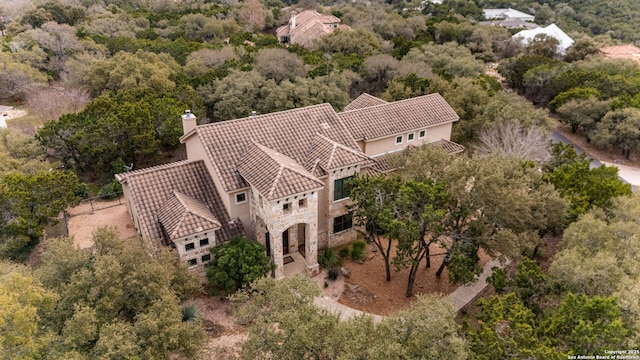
509 13
551 30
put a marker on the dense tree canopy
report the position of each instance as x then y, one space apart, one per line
426 330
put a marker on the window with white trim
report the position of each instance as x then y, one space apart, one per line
204 242
399 139
411 136
422 134
241 198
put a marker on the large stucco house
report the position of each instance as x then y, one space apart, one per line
278 178
307 27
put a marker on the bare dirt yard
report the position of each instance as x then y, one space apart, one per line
367 289
83 221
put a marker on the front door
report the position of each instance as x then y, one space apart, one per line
285 242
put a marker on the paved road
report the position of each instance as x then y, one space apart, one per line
557 137
627 174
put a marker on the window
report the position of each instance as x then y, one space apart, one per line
192 262
302 203
342 223
410 137
286 207
206 258
189 246
204 242
422 134
398 139
340 190
241 198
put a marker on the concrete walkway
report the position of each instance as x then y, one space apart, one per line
343 311
464 294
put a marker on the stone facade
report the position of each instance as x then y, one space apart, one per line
195 250
272 218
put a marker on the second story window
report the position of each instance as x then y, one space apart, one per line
286 207
340 188
241 198
189 246
204 242
399 140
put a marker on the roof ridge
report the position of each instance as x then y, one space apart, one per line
247 118
157 167
343 147
386 103
275 182
283 165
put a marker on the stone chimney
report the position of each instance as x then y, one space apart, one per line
188 121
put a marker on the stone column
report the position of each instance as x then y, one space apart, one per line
311 249
276 253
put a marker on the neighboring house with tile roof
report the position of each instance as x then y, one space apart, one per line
278 178
628 51
306 27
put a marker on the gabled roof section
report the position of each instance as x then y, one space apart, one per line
181 215
389 119
328 154
275 175
364 101
288 132
152 188
389 162
564 41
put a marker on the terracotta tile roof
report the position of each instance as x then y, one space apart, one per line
628 51
389 162
309 26
364 101
328 154
447 146
152 188
181 215
398 117
288 132
275 175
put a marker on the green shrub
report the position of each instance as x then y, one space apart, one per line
333 274
344 253
237 263
328 259
190 312
357 250
111 190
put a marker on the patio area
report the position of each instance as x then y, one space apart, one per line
297 266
